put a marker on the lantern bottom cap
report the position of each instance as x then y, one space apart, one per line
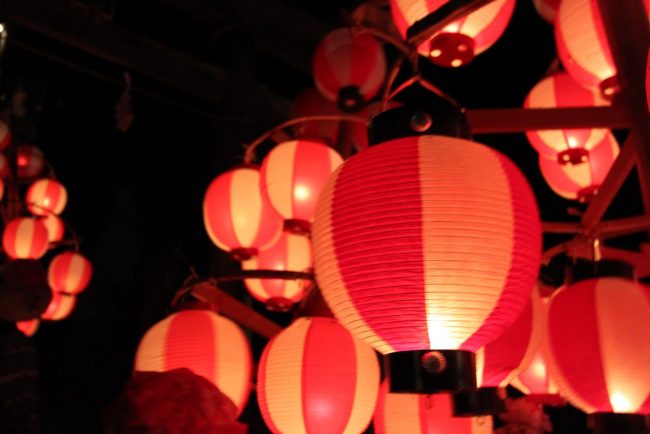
479 402
430 371
618 423
451 50
297 226
243 253
278 304
350 99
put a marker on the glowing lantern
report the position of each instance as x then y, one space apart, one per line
315 377
581 181
547 9
60 307
25 238
69 272
205 343
460 41
427 242
55 228
583 47
46 196
399 413
598 346
5 136
29 328
289 253
570 145
235 216
293 175
349 68
311 103
30 161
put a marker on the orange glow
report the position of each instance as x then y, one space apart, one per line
60 307
46 196
25 238
69 272
29 327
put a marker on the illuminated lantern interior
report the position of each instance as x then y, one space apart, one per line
46 196
30 161
60 307
316 378
69 272
25 238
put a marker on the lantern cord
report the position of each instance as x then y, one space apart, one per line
426 84
249 155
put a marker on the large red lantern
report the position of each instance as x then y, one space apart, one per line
69 272
598 345
5 136
427 243
25 238
293 175
290 253
46 196
205 343
460 41
569 146
581 181
547 9
400 413
30 161
583 47
349 68
60 307
315 377
235 216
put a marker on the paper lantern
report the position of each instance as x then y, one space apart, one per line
583 47
55 228
205 343
400 413
28 328
293 175
460 41
581 181
349 68
598 345
569 145
311 103
5 136
547 9
315 377
30 161
69 272
46 196
25 238
60 307
289 253
235 216
427 242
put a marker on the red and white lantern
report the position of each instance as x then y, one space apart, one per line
235 216
568 146
349 68
55 228
60 307
459 42
46 196
69 272
5 136
205 343
400 413
25 238
293 175
547 9
290 253
315 377
30 161
581 181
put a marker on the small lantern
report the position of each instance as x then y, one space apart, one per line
46 196
29 327
30 161
293 175
5 136
55 228
205 343
60 307
547 9
311 103
235 216
316 378
290 253
25 238
349 68
459 42
69 272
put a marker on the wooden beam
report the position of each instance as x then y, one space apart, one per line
606 229
514 120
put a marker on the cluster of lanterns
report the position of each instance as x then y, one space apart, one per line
426 248
33 225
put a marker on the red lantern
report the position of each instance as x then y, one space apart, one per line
5 136
311 103
583 47
25 238
29 327
293 175
205 343
55 228
5 171
60 307
69 272
349 68
460 41
289 253
315 377
30 161
427 242
235 216
400 413
46 196
570 145
547 9
598 345
581 181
